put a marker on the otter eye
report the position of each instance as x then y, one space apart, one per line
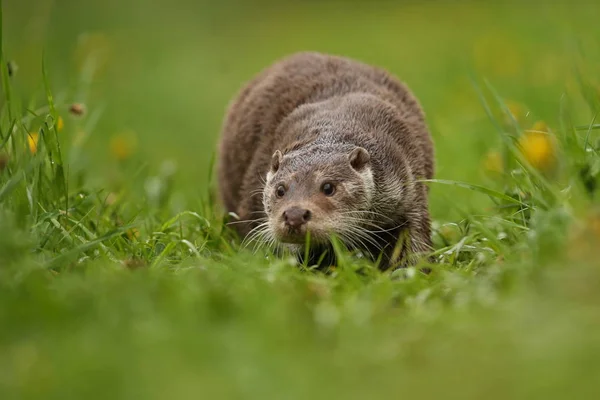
280 191
328 189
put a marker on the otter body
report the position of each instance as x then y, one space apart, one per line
324 145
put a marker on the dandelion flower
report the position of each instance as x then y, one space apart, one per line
537 146
32 141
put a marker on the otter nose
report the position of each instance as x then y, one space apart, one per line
296 216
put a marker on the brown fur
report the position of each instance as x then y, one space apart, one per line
315 109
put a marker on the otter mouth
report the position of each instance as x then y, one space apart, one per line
293 236
298 235
292 240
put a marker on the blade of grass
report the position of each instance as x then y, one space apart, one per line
177 218
66 256
163 254
507 140
588 127
589 132
569 133
587 91
190 246
8 134
66 235
477 188
306 249
14 180
4 69
51 138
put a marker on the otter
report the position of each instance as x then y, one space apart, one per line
319 146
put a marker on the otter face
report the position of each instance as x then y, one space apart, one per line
319 191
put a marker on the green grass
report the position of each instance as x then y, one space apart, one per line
118 278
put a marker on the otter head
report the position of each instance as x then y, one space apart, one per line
318 190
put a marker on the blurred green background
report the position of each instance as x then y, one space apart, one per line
164 71
157 76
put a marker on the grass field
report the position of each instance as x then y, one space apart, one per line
118 278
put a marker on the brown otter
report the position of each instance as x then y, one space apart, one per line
324 145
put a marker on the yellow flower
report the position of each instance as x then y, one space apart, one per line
32 141
537 146
123 145
493 162
60 124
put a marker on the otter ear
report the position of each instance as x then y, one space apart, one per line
359 158
275 161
